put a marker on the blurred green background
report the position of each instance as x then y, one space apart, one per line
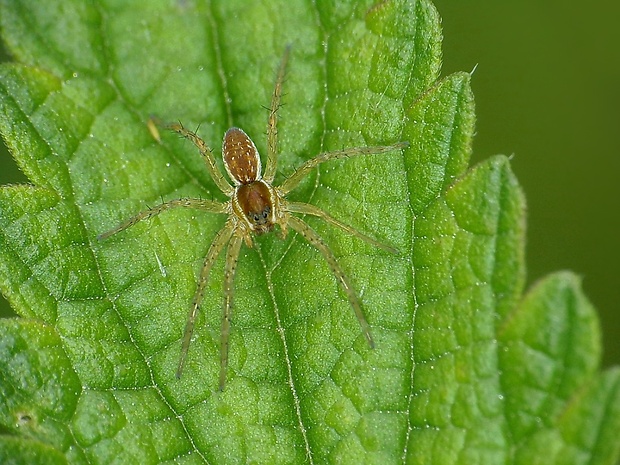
547 90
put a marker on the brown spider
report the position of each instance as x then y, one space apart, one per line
256 207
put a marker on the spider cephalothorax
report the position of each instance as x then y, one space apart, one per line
256 206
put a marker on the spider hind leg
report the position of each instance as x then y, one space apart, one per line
316 241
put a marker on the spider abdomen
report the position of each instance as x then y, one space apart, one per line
240 156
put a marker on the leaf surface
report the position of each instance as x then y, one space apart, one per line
465 370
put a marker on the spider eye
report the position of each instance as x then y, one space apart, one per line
261 217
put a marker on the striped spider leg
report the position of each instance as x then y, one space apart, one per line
255 207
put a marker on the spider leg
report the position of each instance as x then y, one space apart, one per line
207 154
314 239
220 240
292 181
308 209
232 257
205 205
272 124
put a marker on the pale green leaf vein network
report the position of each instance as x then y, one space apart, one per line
19 115
470 384
129 283
221 72
146 359
287 357
111 299
57 292
220 48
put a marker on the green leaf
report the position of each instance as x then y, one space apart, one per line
466 369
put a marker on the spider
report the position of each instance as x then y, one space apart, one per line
255 207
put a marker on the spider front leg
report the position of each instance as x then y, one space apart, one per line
315 240
198 204
293 181
207 154
272 123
